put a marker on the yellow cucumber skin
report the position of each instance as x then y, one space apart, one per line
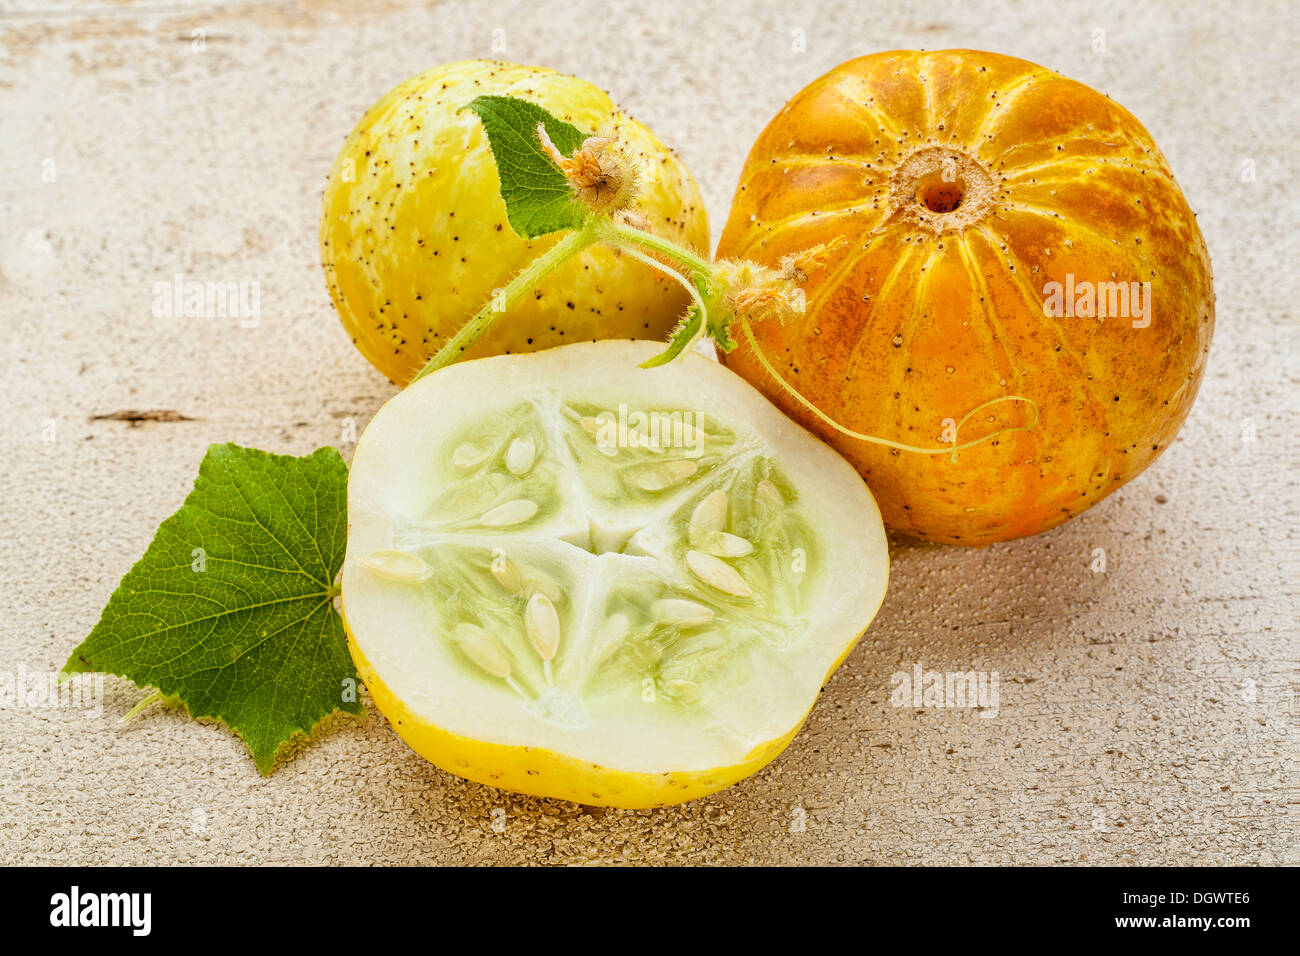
544 773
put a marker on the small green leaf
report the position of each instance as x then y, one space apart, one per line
693 326
720 317
538 198
722 336
229 610
687 331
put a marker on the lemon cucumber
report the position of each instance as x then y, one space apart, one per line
572 577
415 238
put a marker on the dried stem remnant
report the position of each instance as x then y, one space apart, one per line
601 180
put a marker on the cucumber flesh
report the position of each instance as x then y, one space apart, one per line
652 570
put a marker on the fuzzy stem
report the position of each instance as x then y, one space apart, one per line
680 280
620 233
515 289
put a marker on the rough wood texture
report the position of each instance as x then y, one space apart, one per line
1147 713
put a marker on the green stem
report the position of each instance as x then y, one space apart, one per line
516 289
676 345
152 698
676 276
621 233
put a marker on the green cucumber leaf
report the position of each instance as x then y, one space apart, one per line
230 609
538 197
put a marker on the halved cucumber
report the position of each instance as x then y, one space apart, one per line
572 577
